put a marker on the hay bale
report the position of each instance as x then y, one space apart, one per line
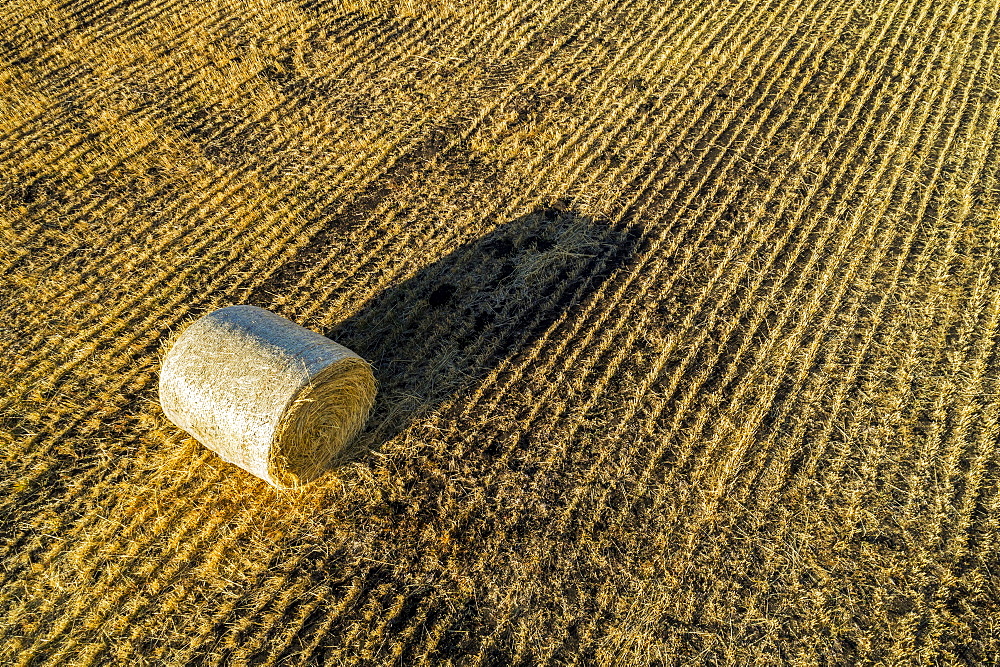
274 398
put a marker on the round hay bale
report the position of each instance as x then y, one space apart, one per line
274 398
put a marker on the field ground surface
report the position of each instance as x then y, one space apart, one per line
684 315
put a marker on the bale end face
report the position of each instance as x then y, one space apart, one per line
320 420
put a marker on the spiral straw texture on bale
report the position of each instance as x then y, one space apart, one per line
265 394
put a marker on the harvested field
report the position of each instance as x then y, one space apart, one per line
684 315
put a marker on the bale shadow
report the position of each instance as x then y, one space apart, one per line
443 330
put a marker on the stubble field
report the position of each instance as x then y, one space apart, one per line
684 315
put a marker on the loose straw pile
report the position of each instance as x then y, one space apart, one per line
274 398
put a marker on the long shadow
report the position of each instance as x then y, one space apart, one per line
444 329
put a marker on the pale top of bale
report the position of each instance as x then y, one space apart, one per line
267 395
